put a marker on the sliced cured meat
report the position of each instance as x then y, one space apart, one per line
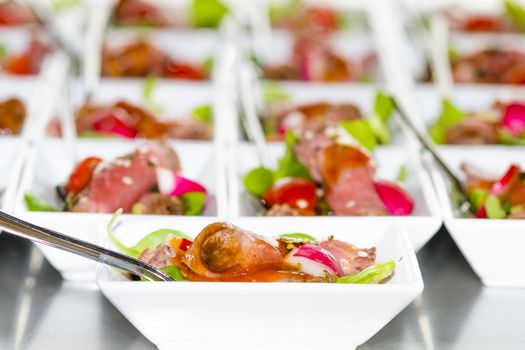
223 250
138 59
472 131
351 259
121 183
12 116
349 183
159 257
159 204
139 12
309 150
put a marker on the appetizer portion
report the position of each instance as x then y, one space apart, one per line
222 252
490 66
314 57
494 197
28 61
148 181
503 123
509 19
141 58
196 13
283 115
327 169
12 116
127 120
13 13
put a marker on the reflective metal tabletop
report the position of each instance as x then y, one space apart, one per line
38 310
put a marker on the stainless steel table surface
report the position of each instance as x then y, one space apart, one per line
38 310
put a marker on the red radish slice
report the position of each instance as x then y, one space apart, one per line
116 122
169 182
482 212
298 193
503 185
314 260
396 199
514 119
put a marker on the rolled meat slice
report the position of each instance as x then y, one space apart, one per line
349 182
122 182
351 259
222 251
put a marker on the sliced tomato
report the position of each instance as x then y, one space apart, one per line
184 71
482 23
19 65
298 193
180 243
81 176
323 19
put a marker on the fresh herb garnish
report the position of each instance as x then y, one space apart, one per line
372 275
450 115
193 203
35 203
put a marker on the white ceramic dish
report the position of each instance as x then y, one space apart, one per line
264 315
420 226
52 168
493 248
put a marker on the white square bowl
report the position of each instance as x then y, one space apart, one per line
52 168
261 315
420 226
485 243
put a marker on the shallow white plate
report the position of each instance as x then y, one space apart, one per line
262 315
53 167
493 248
420 226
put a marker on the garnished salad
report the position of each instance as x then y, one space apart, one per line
148 181
12 116
222 252
494 197
26 62
327 169
503 123
143 13
489 66
511 19
313 58
141 58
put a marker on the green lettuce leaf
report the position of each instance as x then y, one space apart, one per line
174 272
372 275
193 203
507 138
477 197
203 113
258 181
494 208
274 93
516 13
35 203
288 165
450 115
361 130
150 83
207 13
3 51
151 241
402 174
300 237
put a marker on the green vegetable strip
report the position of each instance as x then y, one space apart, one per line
299 236
450 115
34 203
373 275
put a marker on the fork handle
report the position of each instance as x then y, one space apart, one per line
38 234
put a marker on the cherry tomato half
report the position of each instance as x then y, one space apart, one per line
81 176
298 193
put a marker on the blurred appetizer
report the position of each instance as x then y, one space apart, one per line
12 116
327 169
503 123
496 197
283 115
148 181
510 19
13 13
28 61
490 66
198 14
222 252
141 58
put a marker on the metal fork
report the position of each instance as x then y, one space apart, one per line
37 234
